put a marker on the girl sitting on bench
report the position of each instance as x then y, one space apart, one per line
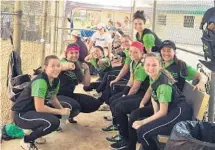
168 108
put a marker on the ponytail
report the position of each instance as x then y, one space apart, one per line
169 76
182 66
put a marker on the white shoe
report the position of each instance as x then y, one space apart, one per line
28 146
96 94
27 132
104 107
41 140
108 117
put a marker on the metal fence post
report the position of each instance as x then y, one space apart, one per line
43 38
154 15
57 22
17 26
211 109
55 28
133 11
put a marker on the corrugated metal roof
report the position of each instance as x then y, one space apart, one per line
182 8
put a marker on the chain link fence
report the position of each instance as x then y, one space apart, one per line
31 43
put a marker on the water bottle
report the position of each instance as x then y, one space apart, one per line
63 120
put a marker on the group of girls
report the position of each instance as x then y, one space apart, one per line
151 97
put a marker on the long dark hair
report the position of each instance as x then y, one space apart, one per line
182 66
139 15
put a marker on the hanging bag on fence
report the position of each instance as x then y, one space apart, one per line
16 81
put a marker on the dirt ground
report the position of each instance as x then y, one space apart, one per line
86 135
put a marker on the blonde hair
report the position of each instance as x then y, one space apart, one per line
127 37
158 58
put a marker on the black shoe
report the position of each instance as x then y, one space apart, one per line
110 128
33 146
71 120
121 145
114 139
141 148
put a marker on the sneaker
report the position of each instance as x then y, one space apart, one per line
110 128
40 140
121 145
108 118
104 107
96 95
59 129
71 120
114 139
28 146
27 132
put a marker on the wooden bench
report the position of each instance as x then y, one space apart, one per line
199 102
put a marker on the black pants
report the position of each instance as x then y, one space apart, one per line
121 106
163 125
85 103
109 91
100 85
107 79
68 102
40 123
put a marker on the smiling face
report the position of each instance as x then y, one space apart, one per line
139 25
101 31
97 53
72 56
125 43
135 53
167 54
52 68
152 66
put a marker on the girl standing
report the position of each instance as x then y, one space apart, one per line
149 39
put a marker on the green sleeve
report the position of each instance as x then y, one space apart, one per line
140 74
63 60
127 59
164 93
107 61
191 73
39 88
149 40
93 62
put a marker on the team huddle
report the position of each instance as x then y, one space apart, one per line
140 81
